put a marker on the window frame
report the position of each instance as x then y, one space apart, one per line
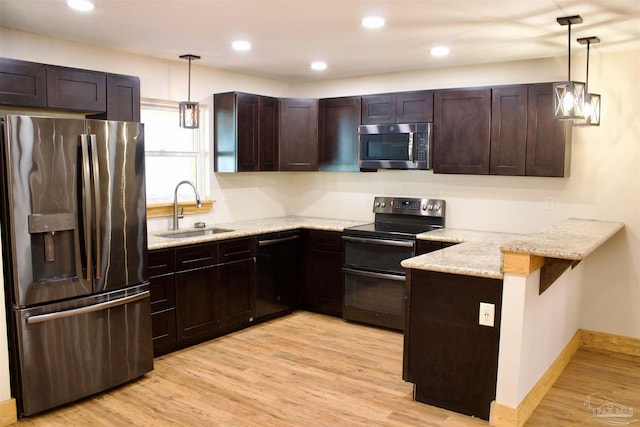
201 149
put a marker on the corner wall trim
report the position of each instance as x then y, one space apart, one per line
602 341
8 412
506 416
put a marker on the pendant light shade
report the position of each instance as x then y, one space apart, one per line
568 96
189 111
591 106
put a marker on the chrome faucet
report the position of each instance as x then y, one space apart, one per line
175 202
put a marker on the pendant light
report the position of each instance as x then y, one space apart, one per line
568 96
189 111
591 100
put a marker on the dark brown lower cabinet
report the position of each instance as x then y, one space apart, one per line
451 359
196 311
324 282
199 292
237 293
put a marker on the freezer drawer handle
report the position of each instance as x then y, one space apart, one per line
89 309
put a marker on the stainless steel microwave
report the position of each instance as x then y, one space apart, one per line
396 146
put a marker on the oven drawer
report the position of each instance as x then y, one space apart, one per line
377 254
374 298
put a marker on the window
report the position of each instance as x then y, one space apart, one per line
172 153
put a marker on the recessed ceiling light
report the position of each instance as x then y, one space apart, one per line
241 45
373 22
318 65
439 51
80 5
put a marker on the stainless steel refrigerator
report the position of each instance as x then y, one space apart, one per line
74 243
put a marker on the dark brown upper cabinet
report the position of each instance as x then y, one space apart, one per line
123 99
401 107
338 121
245 132
525 140
80 90
508 130
102 95
462 121
548 140
298 134
23 84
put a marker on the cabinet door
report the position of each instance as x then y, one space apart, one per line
22 83
196 303
247 131
298 134
324 283
237 293
508 130
462 120
80 90
414 107
338 123
547 139
123 98
268 133
378 109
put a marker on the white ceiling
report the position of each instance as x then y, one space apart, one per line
287 35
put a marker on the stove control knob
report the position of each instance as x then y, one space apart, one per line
384 205
377 204
424 206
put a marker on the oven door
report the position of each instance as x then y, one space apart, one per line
374 298
374 280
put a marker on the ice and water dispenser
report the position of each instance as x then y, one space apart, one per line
53 246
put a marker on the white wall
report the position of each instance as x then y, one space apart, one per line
604 182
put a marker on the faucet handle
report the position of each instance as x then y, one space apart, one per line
181 214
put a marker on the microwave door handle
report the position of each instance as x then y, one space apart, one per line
95 177
86 204
411 146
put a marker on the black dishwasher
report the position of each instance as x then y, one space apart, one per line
279 260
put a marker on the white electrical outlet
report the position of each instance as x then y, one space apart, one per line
487 314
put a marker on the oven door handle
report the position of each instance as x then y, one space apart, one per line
374 275
385 242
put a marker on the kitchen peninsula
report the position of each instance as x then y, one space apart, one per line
528 338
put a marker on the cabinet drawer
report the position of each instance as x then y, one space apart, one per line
163 293
163 326
161 262
329 241
196 256
237 249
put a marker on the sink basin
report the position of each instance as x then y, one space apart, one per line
193 233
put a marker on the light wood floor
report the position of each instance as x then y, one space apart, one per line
307 369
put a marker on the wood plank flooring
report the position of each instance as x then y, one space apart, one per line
304 369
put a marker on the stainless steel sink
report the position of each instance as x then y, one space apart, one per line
193 233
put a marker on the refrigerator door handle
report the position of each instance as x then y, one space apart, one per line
87 213
88 309
95 178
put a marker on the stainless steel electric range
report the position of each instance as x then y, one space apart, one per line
374 280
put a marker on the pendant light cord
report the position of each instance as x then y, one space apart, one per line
569 59
189 84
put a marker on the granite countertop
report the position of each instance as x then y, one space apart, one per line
477 254
572 239
250 228
481 253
